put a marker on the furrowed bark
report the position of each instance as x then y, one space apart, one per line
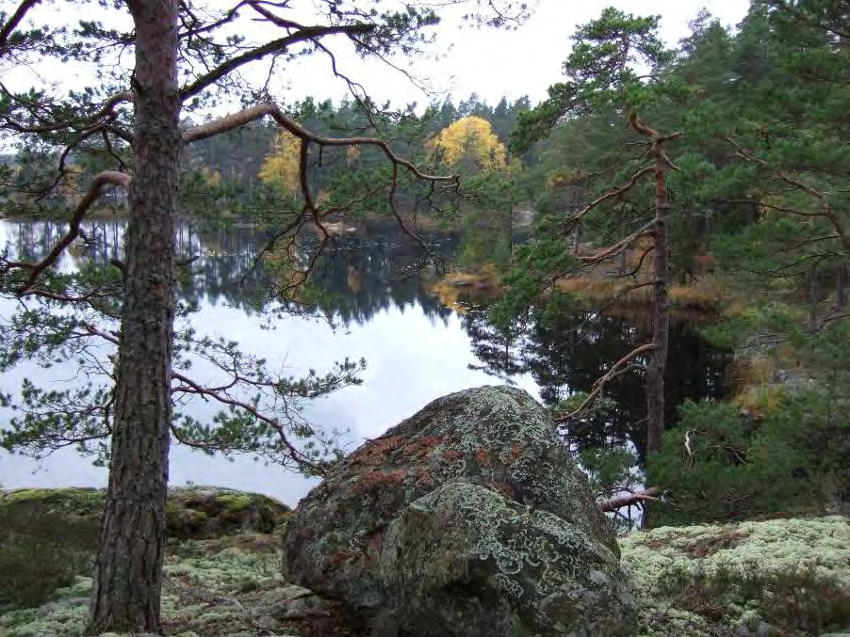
128 574
661 277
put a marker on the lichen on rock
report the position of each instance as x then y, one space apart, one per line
465 560
500 442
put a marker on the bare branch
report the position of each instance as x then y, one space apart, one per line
616 370
612 194
275 46
106 178
620 245
630 499
230 122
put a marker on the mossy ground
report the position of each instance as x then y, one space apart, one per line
788 577
49 536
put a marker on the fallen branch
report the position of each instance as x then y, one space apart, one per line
630 499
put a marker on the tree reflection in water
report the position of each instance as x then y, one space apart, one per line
567 353
376 267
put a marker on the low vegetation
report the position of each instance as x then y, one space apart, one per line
775 577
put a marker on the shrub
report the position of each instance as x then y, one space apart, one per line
40 552
791 459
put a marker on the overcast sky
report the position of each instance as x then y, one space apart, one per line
491 63
495 63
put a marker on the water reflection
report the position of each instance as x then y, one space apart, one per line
570 351
380 301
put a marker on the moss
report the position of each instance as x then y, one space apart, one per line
183 522
79 500
208 594
45 541
235 503
787 577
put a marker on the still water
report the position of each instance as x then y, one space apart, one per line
379 306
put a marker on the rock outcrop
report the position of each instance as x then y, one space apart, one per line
469 518
193 512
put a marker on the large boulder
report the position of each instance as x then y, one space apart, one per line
469 518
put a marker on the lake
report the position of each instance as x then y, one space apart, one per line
378 304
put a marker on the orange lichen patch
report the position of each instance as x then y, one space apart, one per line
516 451
424 479
421 447
504 488
451 454
374 541
368 482
376 452
337 557
482 457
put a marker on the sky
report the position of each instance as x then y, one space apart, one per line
495 63
492 63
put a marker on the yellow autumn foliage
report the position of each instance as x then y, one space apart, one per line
470 144
281 166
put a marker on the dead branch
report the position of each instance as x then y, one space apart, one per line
689 461
236 120
630 499
304 34
618 368
105 178
620 245
613 194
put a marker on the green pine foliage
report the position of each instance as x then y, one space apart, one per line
722 464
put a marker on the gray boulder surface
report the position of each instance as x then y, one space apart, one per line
469 518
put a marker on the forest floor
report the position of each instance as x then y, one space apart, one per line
786 577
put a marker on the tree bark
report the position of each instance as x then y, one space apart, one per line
128 574
661 301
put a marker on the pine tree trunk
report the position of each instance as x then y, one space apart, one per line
128 574
661 308
841 288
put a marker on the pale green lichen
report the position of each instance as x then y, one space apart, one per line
547 572
201 596
711 580
229 571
